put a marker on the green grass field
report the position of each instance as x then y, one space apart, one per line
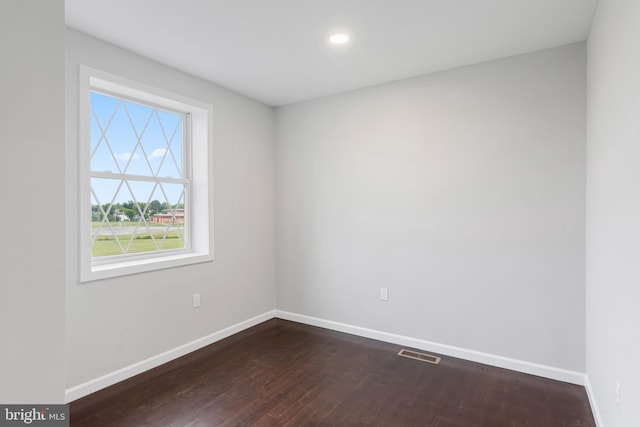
96 224
107 244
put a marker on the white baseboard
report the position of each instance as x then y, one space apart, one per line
592 401
122 374
558 374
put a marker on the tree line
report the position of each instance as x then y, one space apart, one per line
131 210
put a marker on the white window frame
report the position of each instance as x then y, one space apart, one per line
199 194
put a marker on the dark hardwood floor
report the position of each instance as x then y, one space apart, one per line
282 373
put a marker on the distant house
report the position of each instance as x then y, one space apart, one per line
121 217
173 216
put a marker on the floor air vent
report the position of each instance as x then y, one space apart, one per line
419 356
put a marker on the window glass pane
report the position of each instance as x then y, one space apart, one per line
128 137
137 210
130 216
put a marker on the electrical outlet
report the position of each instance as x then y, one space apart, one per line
618 396
196 300
384 294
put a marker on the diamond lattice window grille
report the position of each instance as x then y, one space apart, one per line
139 180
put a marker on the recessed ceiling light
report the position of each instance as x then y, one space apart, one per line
339 38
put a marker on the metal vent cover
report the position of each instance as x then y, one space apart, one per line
419 356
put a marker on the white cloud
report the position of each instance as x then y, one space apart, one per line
124 157
158 152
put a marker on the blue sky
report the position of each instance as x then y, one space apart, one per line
124 123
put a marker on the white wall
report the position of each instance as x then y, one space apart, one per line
32 170
117 322
613 211
462 192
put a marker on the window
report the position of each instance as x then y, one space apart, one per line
145 163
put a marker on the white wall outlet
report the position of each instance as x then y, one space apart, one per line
196 300
618 396
384 294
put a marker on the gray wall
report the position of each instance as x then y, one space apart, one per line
32 170
117 322
613 211
462 192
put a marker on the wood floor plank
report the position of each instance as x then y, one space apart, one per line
283 373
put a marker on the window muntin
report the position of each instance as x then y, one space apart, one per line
139 177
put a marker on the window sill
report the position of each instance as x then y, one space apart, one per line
128 267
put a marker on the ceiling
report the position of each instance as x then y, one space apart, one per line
276 51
